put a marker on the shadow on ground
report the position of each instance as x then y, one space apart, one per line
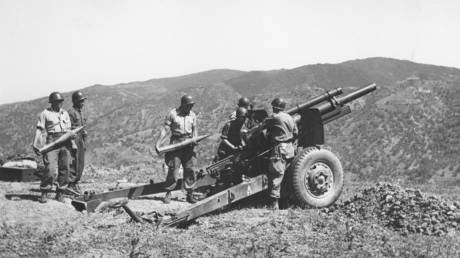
17 197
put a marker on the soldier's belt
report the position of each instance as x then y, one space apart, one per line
180 137
57 134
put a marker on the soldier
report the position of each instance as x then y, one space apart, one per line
55 122
232 139
281 132
78 118
181 122
244 103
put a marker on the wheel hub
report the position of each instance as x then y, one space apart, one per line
319 179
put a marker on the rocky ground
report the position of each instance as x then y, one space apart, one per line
382 220
403 210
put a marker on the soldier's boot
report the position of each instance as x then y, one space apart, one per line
190 198
273 203
284 203
167 198
44 197
74 189
59 195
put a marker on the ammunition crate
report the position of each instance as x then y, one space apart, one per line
19 174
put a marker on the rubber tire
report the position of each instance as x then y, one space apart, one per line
306 158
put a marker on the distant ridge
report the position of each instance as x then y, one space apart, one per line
378 139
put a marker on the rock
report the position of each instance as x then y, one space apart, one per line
389 198
457 203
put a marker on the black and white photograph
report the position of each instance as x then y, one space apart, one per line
212 128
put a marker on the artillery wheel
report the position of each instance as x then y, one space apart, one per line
316 177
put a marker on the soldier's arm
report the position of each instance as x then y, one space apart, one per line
229 144
38 132
224 136
242 142
73 119
37 137
194 128
164 131
296 130
162 136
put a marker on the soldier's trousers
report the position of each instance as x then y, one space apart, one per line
280 155
185 157
276 168
78 160
57 164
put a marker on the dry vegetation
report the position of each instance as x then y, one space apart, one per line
55 229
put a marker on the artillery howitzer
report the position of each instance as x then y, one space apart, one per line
315 176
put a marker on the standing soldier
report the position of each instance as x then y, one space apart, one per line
55 122
181 122
281 132
78 118
243 102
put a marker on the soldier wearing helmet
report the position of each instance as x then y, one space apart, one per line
232 134
54 121
78 118
181 122
281 131
243 102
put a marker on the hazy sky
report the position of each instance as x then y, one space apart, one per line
56 45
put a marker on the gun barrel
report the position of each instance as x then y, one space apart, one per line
295 110
328 106
315 101
357 94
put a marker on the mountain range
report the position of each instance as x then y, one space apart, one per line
408 128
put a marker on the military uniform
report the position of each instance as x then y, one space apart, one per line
78 118
57 160
232 131
182 127
281 132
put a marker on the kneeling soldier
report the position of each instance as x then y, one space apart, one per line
181 122
243 102
55 122
232 139
281 131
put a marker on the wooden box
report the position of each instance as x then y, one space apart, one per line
18 174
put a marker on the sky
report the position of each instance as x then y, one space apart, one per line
55 45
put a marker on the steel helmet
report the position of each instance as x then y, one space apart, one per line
186 100
279 103
55 97
78 97
243 102
241 112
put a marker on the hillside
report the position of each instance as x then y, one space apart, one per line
409 128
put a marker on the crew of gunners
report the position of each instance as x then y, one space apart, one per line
181 123
65 163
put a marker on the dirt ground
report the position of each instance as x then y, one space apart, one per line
20 212
54 229
19 205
